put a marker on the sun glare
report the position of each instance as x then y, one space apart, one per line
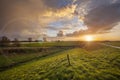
88 38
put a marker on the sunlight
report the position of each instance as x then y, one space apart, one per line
89 38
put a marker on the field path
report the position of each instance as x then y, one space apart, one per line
111 46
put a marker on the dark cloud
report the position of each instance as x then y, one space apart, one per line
57 4
103 18
13 10
21 17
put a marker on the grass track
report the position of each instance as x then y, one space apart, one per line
113 43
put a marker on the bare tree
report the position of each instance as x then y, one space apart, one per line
44 39
5 42
60 34
16 42
30 39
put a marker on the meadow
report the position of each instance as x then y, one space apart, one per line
12 57
90 62
53 44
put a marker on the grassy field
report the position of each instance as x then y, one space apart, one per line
53 44
8 59
93 62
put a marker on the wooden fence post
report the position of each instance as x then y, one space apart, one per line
68 58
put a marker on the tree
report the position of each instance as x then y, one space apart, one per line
44 39
30 39
16 42
60 34
5 42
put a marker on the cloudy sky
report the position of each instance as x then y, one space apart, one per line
74 18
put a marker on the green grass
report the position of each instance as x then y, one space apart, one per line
52 44
96 64
8 59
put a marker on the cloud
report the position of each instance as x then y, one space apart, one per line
24 18
100 16
103 18
77 33
27 17
68 10
57 4
22 14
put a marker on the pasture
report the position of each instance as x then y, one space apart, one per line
89 62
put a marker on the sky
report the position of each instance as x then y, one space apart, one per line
60 19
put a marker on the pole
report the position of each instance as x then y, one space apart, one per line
68 58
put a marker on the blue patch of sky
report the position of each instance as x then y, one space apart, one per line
52 33
68 25
63 3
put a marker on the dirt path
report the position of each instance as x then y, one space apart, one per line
111 46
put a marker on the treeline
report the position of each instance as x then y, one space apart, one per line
6 42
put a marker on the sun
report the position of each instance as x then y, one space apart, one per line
89 38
